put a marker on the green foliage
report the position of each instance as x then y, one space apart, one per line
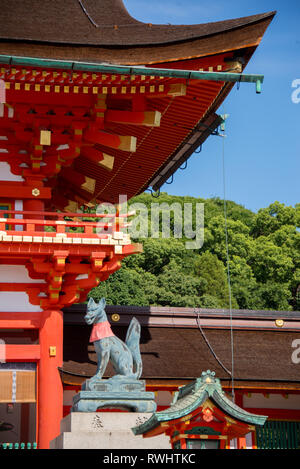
213 272
264 260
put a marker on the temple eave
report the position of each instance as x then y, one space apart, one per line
241 36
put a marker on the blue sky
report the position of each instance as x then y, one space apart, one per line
262 147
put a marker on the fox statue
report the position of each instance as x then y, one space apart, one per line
124 356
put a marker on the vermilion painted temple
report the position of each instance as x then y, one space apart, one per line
94 105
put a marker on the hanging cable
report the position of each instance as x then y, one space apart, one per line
209 346
87 14
228 271
172 179
199 150
154 194
110 25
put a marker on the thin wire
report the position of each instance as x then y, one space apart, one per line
87 14
206 341
209 346
111 25
228 271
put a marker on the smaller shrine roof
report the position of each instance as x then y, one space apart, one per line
194 395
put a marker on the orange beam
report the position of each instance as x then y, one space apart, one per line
101 159
150 119
22 352
20 287
20 320
78 179
118 142
24 192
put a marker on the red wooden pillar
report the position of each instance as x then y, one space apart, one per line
241 443
50 388
33 205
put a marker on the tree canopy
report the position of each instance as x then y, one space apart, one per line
264 259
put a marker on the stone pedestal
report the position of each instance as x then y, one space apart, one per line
105 430
122 393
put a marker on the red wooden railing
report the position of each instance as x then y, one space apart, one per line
53 224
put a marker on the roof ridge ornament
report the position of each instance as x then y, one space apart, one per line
208 377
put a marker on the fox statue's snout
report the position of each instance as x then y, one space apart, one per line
95 311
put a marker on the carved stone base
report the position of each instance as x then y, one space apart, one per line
114 384
105 430
122 393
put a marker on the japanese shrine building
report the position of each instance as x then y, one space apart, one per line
178 344
94 105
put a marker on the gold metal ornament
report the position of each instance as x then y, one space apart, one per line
35 192
279 322
115 317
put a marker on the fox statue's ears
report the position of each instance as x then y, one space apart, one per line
92 303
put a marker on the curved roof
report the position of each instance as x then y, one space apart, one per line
98 23
101 31
193 396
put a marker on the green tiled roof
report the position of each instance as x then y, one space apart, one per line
192 396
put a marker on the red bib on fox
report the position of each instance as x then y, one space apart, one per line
100 331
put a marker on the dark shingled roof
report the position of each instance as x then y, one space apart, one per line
98 23
182 353
173 347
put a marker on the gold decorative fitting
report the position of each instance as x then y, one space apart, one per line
35 192
45 137
115 317
279 322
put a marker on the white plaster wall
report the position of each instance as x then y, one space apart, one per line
274 401
249 441
6 174
11 301
19 206
16 274
233 444
82 277
16 302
